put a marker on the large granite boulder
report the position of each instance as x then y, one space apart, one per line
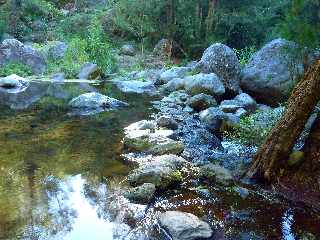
222 60
184 226
204 83
273 71
13 51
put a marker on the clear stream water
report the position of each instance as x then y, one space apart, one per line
55 168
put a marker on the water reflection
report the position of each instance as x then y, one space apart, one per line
53 166
287 221
86 224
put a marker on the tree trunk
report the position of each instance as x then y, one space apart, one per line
272 156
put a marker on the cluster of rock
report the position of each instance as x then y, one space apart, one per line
14 51
200 102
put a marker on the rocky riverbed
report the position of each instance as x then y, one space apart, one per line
145 156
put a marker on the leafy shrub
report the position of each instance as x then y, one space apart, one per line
254 129
245 54
75 57
39 9
15 68
94 48
99 48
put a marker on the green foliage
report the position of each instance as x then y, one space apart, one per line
99 48
302 23
39 9
3 19
75 57
15 68
245 54
254 129
193 25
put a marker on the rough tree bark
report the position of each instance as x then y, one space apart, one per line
272 156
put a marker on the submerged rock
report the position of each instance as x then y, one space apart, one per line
184 226
222 60
93 102
141 194
161 171
141 125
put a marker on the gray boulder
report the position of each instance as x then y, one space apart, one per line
222 60
178 97
95 101
161 171
128 49
152 142
201 102
204 83
242 100
11 50
135 86
141 194
217 120
152 75
273 71
219 173
247 102
167 122
184 226
174 85
57 50
90 71
175 72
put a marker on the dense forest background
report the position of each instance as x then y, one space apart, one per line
191 25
